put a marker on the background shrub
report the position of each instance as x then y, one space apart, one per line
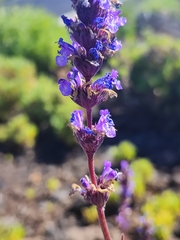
30 103
30 33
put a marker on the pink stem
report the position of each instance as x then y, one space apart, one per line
103 223
92 170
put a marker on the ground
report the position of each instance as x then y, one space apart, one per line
44 207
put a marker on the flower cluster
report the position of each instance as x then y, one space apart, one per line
87 95
91 139
98 195
93 39
92 34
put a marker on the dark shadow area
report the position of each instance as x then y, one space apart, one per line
49 148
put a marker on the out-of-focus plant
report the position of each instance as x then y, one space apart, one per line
17 76
19 130
14 232
163 210
115 196
124 150
143 169
30 193
30 33
143 172
151 50
163 53
49 206
29 103
89 214
52 184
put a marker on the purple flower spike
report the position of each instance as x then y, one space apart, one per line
92 34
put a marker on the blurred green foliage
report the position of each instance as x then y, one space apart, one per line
30 193
19 130
159 67
124 150
14 232
29 102
30 33
114 197
149 62
143 173
90 214
143 169
53 184
163 210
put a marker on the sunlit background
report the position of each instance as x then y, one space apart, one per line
39 158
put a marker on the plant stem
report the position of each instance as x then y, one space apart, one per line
92 173
89 117
101 214
103 223
100 210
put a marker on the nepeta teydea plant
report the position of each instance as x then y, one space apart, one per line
93 40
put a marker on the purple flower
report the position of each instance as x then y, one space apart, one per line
97 195
77 119
72 84
106 124
65 87
108 173
91 139
66 51
89 95
107 82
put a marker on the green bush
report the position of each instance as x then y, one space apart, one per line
30 33
143 172
89 214
29 103
14 232
19 130
125 150
16 77
159 67
163 210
